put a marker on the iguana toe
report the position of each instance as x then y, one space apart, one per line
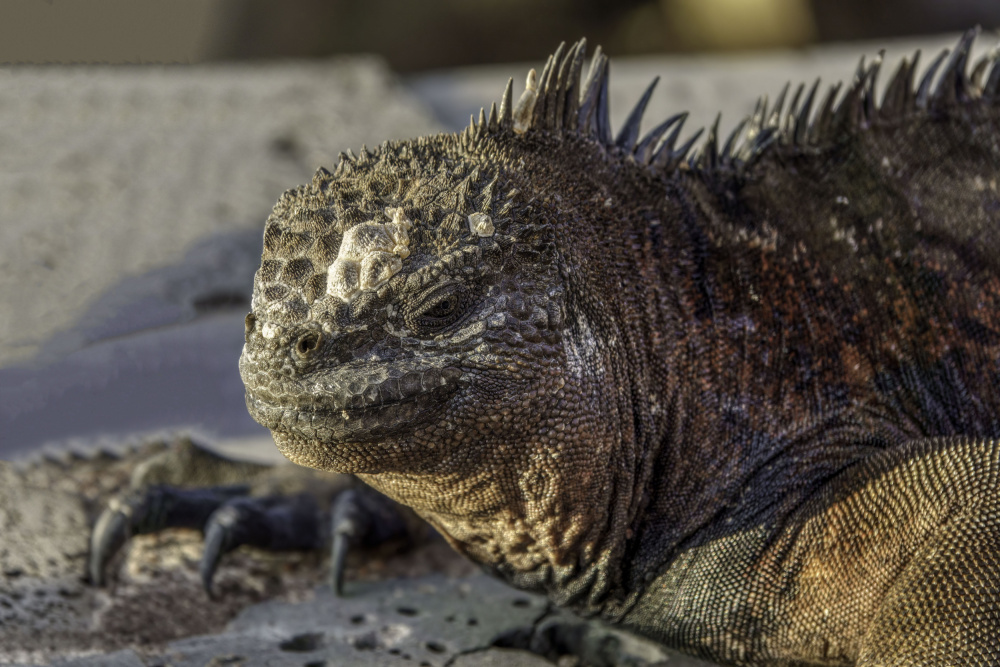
276 523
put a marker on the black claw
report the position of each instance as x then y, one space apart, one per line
362 517
338 557
108 536
219 538
349 525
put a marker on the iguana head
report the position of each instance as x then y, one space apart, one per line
398 301
410 307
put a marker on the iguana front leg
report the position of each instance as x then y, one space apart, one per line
943 608
900 558
893 562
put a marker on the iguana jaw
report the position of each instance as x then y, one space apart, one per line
359 402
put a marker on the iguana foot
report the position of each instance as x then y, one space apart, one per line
148 511
275 508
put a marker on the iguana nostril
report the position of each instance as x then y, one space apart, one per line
248 324
308 343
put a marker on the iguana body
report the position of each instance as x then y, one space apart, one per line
744 402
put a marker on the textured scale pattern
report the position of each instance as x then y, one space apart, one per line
743 399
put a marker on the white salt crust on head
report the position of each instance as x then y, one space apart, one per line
373 252
481 224
370 254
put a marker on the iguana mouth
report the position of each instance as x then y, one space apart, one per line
365 400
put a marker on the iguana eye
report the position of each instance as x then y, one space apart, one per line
441 307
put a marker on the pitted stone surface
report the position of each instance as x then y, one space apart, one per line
124 658
428 620
432 620
500 657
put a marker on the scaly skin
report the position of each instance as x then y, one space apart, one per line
745 403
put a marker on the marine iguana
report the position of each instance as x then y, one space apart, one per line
742 400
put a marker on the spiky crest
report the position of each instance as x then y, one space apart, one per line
558 101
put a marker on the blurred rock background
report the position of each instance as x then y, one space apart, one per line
427 34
